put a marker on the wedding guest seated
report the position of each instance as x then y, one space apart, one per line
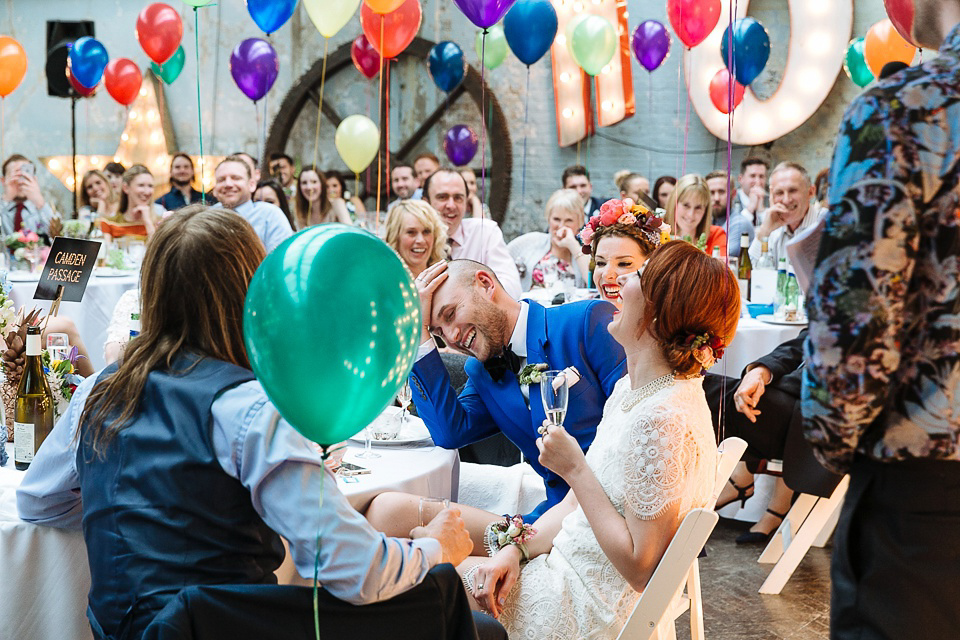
577 177
138 215
735 225
477 208
792 209
114 172
631 185
662 189
97 198
179 470
690 217
619 245
751 194
337 190
404 183
425 165
234 188
118 330
23 205
270 190
415 231
284 171
652 461
545 258
314 205
474 239
251 162
182 193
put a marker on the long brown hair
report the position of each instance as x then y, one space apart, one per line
690 185
193 284
85 198
128 176
303 206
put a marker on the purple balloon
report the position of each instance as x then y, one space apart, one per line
651 44
484 13
460 144
254 67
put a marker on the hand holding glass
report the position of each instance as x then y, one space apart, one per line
554 393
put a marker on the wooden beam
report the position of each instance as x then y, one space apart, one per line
429 123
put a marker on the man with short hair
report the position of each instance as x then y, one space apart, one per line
750 195
578 178
791 211
404 182
719 182
234 188
425 164
23 205
181 191
465 304
475 239
880 392
282 168
251 162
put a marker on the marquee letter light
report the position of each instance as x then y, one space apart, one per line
819 33
571 88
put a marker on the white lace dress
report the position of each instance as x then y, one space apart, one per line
656 453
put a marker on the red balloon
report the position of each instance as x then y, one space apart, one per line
365 57
720 91
693 20
122 79
159 31
901 14
80 90
399 27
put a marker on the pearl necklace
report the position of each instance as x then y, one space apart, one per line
634 396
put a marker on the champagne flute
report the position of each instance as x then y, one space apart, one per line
404 396
554 393
367 451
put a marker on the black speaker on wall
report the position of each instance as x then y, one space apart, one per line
61 33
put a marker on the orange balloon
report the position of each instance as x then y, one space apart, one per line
397 29
13 65
884 44
383 6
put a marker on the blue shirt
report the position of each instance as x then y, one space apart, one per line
286 479
267 221
173 199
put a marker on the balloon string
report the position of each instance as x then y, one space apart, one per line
686 131
526 113
483 134
323 77
578 151
380 118
3 129
386 117
196 34
324 454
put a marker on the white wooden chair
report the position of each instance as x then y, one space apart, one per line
655 614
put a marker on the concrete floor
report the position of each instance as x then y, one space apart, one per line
732 608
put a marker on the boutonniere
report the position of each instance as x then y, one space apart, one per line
531 373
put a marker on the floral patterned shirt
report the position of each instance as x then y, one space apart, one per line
550 270
883 352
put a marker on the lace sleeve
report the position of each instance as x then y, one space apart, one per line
659 458
119 328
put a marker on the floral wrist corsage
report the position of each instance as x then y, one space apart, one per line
512 530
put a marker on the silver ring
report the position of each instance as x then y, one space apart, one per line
542 430
479 587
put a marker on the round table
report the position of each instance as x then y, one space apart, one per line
91 315
754 339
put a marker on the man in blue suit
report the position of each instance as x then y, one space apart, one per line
464 304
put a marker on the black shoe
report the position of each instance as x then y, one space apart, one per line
758 537
742 495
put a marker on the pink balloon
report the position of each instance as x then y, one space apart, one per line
720 91
693 20
365 57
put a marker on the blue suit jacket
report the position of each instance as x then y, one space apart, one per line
573 334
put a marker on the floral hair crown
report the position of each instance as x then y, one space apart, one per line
624 212
706 348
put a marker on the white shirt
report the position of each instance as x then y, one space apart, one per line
779 237
267 221
481 240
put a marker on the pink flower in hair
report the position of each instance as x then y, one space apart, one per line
610 212
627 218
586 234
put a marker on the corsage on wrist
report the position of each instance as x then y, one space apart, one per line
511 530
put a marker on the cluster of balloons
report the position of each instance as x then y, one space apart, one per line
390 32
883 43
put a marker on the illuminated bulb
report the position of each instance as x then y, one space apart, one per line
152 115
70 181
564 77
567 113
143 92
54 165
596 1
561 40
95 161
124 136
606 69
116 158
606 105
155 137
819 41
810 79
134 114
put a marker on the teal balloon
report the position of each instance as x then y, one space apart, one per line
855 64
494 52
170 70
331 349
592 43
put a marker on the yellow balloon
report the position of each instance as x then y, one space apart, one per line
329 16
357 140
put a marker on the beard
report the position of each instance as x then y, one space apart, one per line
180 184
491 323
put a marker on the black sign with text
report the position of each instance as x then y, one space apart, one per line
69 265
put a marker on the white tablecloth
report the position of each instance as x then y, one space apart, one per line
754 339
91 315
44 576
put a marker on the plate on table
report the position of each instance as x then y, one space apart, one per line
771 319
22 276
110 272
413 430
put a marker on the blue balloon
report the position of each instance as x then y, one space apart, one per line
751 50
88 59
270 15
446 65
530 27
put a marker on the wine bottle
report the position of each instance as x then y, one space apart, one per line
33 417
744 267
764 281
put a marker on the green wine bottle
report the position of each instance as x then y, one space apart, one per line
744 268
33 413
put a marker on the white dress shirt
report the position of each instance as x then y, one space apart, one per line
481 240
779 237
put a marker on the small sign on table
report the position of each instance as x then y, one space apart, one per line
67 271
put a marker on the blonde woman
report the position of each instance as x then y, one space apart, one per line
138 214
97 197
542 257
688 214
416 232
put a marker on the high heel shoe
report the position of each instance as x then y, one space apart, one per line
757 537
742 495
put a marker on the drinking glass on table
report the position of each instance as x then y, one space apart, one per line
430 507
554 393
404 397
367 452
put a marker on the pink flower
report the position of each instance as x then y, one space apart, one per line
586 235
537 275
32 237
627 218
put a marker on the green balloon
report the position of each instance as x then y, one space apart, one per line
855 64
495 51
197 3
592 43
331 349
170 70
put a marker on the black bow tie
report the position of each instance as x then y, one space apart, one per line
497 366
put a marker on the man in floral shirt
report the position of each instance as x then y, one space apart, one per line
881 394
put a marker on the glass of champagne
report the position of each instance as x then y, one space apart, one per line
554 393
404 397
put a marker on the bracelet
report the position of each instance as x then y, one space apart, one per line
512 530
